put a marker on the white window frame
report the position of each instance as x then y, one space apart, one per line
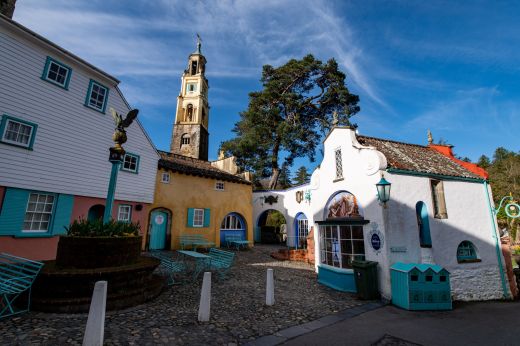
219 185
66 79
34 203
124 213
89 100
198 217
131 156
193 85
21 123
335 229
231 223
339 163
165 177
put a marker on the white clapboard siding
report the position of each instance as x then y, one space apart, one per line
70 153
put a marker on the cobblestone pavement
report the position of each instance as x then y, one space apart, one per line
238 310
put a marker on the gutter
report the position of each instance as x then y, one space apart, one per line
433 175
497 248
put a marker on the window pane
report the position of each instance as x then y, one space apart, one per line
359 246
357 232
345 232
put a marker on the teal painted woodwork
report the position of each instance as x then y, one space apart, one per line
3 125
207 217
62 214
189 223
420 286
13 211
89 93
129 169
336 278
45 73
424 224
159 222
111 191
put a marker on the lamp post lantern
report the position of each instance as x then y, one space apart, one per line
383 190
117 154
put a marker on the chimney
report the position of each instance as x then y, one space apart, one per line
7 8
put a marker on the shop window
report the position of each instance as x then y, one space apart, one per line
340 245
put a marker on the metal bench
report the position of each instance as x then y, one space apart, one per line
169 266
236 241
17 274
221 261
194 241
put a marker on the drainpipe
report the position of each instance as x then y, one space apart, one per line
497 248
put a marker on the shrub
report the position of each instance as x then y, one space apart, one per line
515 249
96 228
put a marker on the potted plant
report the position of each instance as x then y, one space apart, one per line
94 244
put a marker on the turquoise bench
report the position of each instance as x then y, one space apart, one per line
194 241
17 275
236 241
221 261
169 266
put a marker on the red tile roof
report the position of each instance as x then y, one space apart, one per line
416 158
190 166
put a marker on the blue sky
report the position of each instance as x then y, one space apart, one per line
451 67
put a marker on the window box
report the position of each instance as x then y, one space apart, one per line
57 73
17 132
130 163
97 96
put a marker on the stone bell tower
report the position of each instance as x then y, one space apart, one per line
190 130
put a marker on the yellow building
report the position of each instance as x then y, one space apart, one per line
193 195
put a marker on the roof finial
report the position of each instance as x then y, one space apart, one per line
199 43
430 137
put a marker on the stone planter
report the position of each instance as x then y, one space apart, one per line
97 252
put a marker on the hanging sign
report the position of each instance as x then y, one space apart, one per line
513 210
376 238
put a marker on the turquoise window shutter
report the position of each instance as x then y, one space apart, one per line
13 211
190 217
62 213
206 217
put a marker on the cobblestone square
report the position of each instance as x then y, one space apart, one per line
238 310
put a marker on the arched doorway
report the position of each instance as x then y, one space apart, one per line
301 230
423 223
96 212
272 225
159 235
232 224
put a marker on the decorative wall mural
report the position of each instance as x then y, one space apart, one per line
344 204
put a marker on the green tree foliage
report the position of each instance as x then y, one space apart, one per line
504 177
284 179
288 117
302 176
274 218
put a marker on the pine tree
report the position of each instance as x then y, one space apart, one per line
302 176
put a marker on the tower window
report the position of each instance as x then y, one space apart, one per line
203 115
191 87
189 113
185 139
193 67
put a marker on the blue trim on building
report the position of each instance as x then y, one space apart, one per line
89 93
45 74
337 278
3 125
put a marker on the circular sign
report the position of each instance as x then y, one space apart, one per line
513 210
159 220
375 241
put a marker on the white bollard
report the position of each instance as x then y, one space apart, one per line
205 298
269 294
95 330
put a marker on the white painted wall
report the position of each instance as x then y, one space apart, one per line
71 148
468 217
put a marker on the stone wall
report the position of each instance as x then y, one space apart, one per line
476 283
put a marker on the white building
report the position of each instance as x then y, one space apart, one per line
55 131
438 212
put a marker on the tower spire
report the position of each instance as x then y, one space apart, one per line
199 43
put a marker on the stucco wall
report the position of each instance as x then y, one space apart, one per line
33 248
186 191
468 217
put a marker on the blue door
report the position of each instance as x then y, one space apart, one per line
425 238
159 220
